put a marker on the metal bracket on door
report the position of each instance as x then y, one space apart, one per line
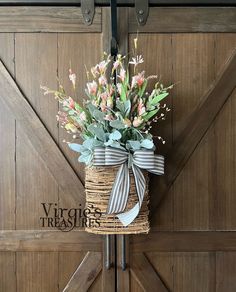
142 11
88 10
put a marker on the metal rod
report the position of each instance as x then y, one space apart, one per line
123 253
120 3
108 252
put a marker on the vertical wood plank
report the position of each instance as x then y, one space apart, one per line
7 144
194 272
225 271
7 171
7 272
37 271
36 64
193 68
224 143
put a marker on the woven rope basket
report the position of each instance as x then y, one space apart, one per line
98 186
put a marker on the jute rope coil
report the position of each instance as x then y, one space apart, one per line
98 185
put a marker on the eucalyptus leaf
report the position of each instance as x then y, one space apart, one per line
98 115
117 124
116 135
97 131
148 144
76 147
135 145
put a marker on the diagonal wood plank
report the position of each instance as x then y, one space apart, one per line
86 273
202 118
40 138
145 275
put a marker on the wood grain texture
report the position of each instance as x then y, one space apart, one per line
194 272
163 263
46 19
45 240
32 55
223 148
145 275
37 271
7 272
200 122
108 275
40 137
68 263
186 19
85 274
7 145
184 241
225 271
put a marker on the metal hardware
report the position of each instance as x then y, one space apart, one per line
88 10
114 44
123 253
107 252
142 11
120 3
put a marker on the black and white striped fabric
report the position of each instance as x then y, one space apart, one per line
140 159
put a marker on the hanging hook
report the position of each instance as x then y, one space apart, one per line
114 44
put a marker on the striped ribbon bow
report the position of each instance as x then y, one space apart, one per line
140 159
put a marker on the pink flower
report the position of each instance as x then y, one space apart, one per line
82 116
122 74
92 87
71 103
102 66
116 64
137 122
72 77
102 80
141 108
138 79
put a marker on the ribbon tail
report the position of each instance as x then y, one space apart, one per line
120 191
128 217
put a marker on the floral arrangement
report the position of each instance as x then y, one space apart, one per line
118 112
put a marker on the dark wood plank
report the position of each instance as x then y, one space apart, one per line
39 240
123 276
197 127
145 275
225 271
194 272
46 19
40 138
185 241
186 19
86 273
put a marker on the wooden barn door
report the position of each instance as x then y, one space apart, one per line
192 243
37 45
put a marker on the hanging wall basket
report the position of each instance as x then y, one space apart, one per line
98 185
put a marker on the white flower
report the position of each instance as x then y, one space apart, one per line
137 60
